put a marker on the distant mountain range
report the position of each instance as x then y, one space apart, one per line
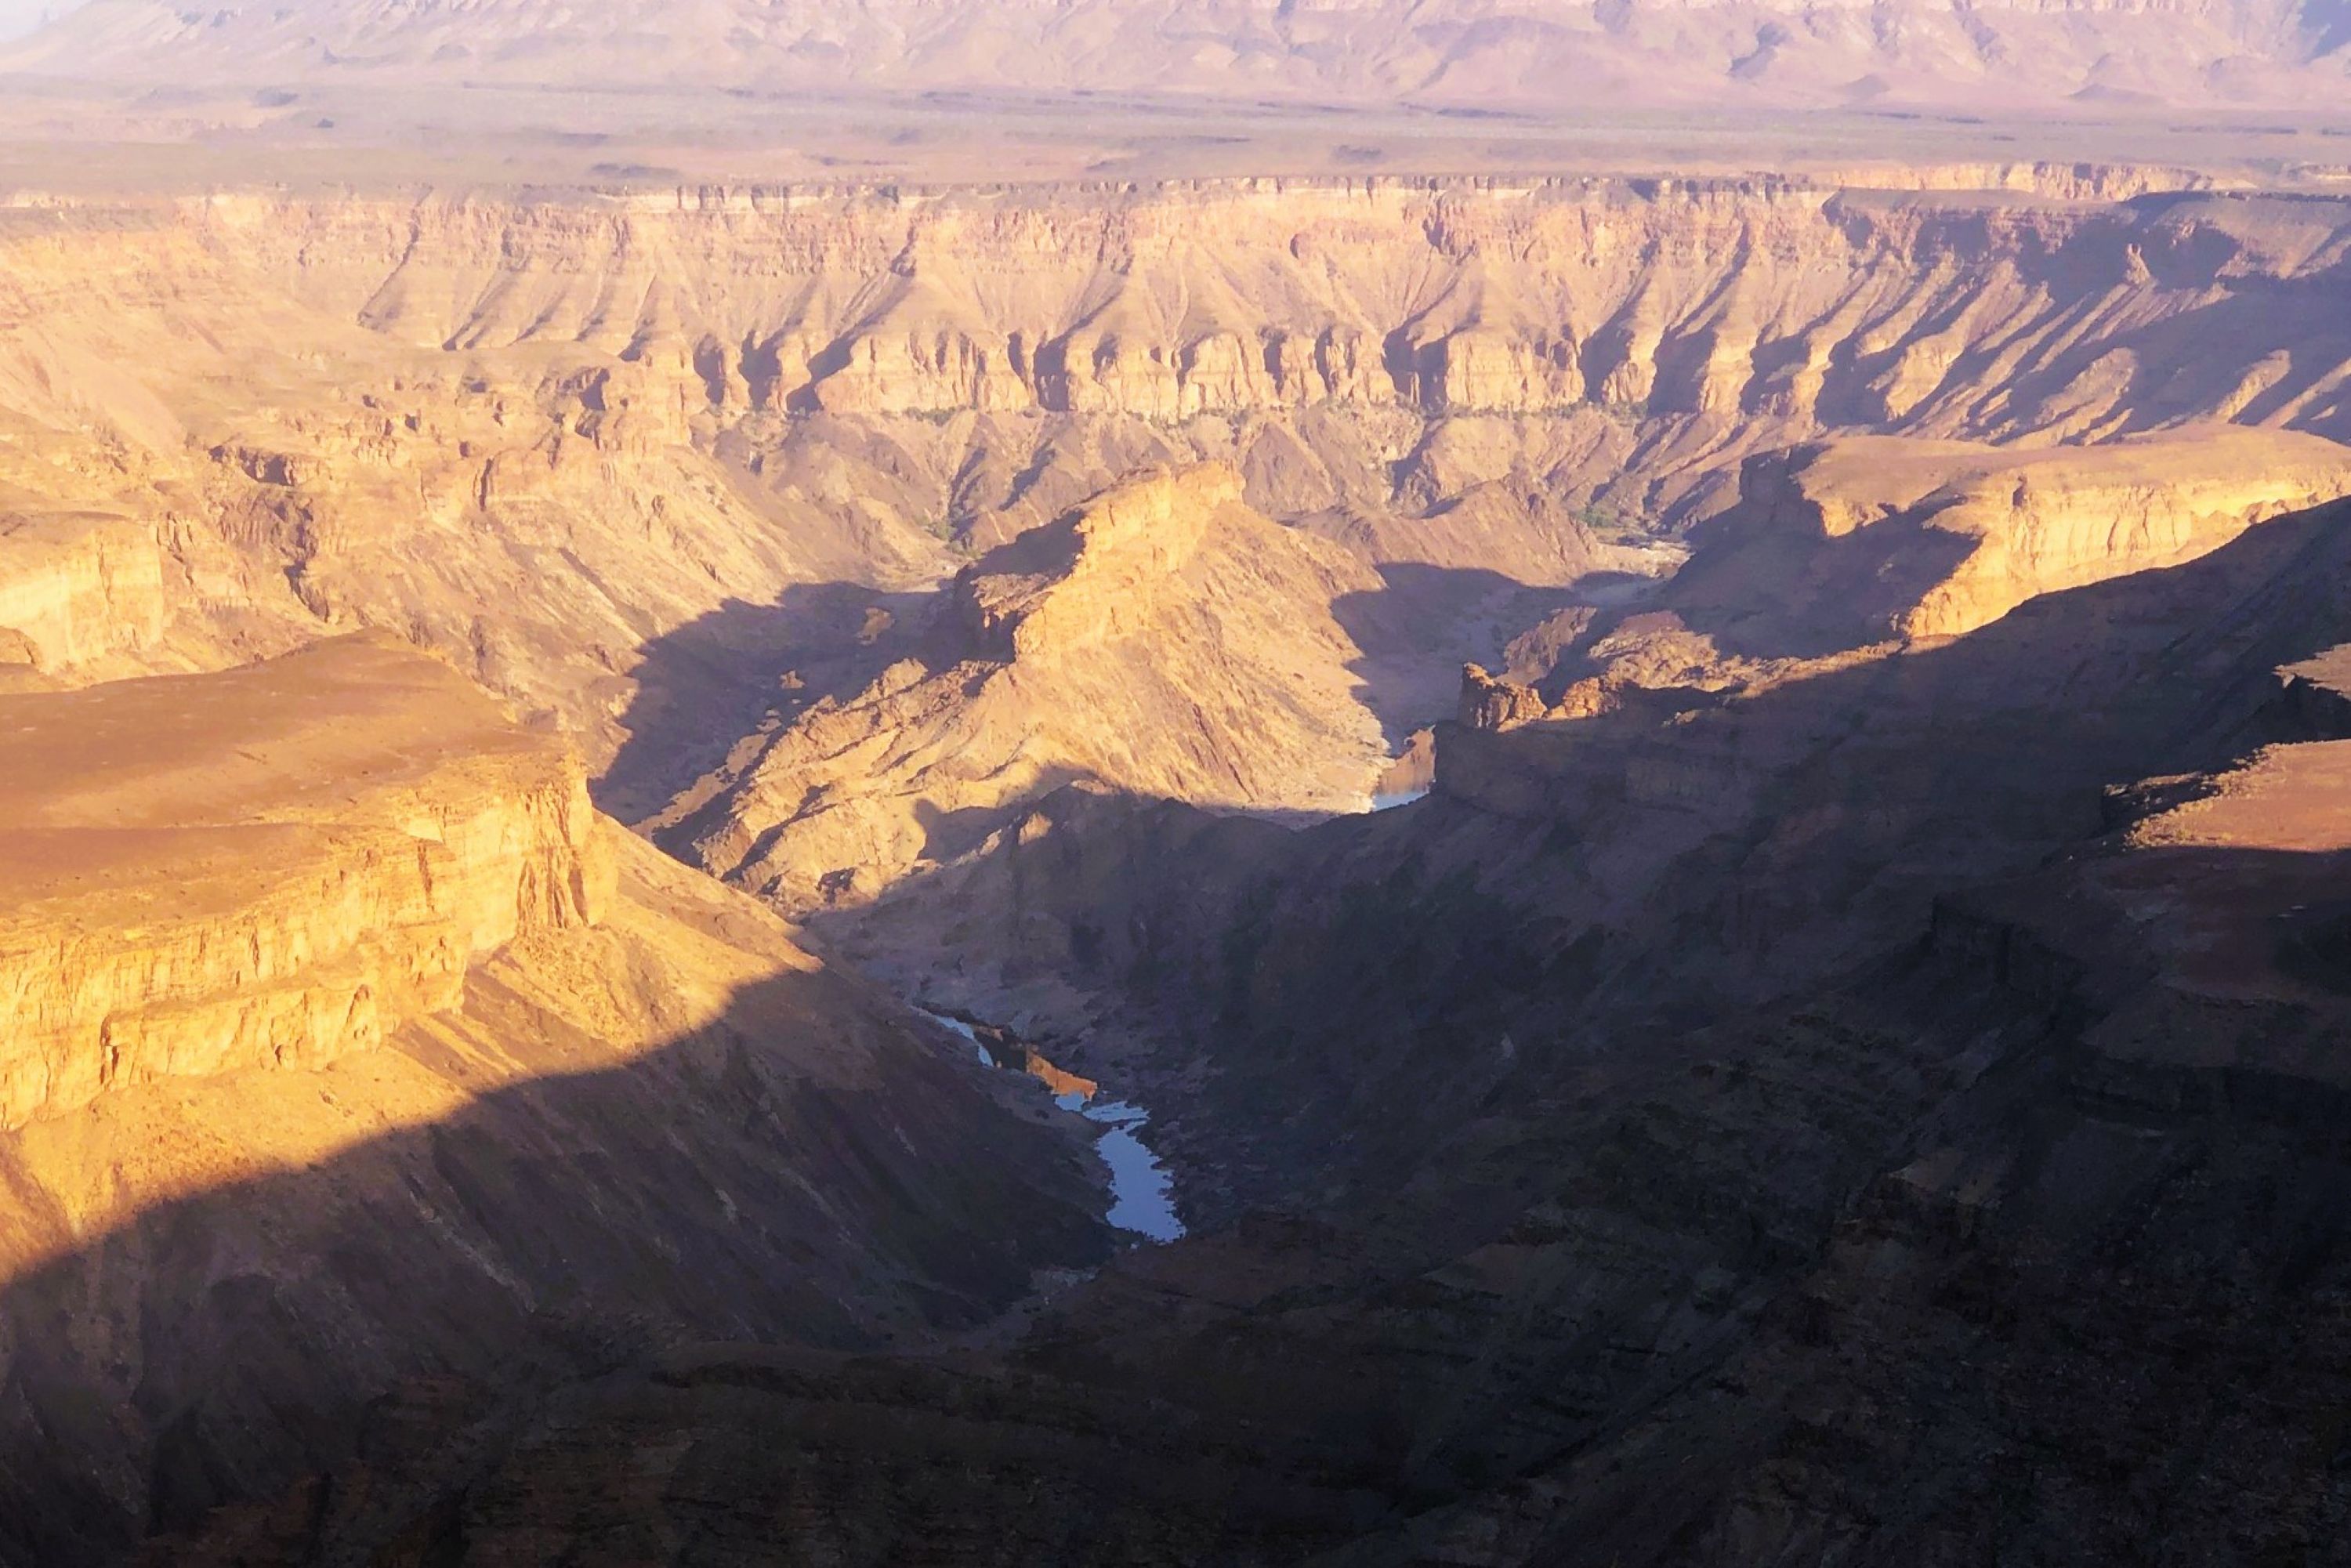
1550 55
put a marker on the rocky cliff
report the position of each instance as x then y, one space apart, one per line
1873 540
350 1051
76 594
603 450
1163 640
271 867
1757 298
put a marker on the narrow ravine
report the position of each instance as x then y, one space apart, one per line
1142 1188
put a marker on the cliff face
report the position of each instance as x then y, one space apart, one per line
1756 299
1864 546
550 436
270 867
76 594
1163 639
2038 522
324 971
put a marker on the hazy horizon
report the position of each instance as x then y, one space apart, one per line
18 18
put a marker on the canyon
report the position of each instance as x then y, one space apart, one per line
1703 802
329 995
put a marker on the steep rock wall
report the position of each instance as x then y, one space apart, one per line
269 868
1865 539
1788 300
77 590
1163 640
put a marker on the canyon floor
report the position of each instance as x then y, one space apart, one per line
1704 790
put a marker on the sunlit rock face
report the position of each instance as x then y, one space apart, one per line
1880 541
327 967
602 449
1755 299
232 422
1165 640
2016 525
271 867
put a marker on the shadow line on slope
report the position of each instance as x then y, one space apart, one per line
709 686
1682 853
802 1168
1348 1032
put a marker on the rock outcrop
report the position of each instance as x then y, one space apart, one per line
325 971
1161 639
1491 704
1877 541
80 593
2038 522
271 867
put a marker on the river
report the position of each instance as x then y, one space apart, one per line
1142 1188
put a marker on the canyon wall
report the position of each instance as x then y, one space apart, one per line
1871 540
352 1056
271 867
76 593
607 451
1760 300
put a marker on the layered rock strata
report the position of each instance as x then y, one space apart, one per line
274 866
1972 531
350 1053
1163 640
603 449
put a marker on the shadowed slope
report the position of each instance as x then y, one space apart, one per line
1983 1240
375 1056
1660 1153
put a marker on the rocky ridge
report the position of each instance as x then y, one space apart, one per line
2025 524
1163 640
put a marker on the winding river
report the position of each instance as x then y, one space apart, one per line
1142 1188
